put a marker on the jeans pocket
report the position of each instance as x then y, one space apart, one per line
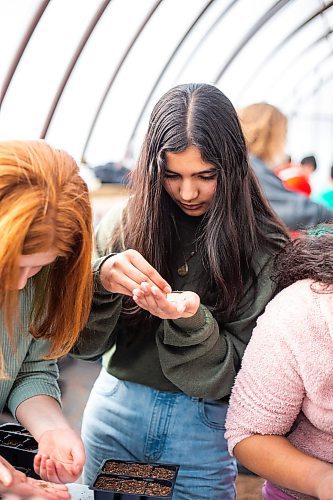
106 384
212 414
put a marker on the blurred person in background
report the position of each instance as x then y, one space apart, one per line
326 196
163 393
293 178
45 296
265 129
309 166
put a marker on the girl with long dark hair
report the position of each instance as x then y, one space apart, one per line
184 275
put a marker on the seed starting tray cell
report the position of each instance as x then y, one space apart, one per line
129 480
14 427
18 448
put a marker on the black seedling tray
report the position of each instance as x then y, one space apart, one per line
19 449
130 480
12 427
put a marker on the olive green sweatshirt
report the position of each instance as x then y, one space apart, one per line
196 355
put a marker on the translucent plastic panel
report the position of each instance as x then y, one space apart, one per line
290 81
223 39
311 132
180 57
289 51
93 71
42 66
265 56
15 18
311 86
212 16
184 40
214 39
135 80
328 14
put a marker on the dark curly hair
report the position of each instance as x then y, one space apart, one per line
310 256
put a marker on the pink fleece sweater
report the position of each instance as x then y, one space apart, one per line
286 380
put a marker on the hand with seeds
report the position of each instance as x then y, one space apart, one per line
166 306
15 485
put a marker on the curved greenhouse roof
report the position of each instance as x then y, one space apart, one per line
84 74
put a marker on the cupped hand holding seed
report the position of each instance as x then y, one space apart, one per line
172 305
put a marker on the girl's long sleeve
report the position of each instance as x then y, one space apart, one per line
268 393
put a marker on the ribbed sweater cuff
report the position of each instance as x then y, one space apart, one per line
29 390
193 323
192 331
98 287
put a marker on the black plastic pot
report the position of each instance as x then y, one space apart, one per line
130 480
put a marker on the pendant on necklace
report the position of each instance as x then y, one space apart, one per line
183 270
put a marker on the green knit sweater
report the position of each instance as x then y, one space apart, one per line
196 355
28 374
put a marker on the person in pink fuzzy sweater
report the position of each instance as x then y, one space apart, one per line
280 418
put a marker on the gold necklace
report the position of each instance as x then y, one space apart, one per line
183 269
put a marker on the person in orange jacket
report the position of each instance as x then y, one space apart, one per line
294 177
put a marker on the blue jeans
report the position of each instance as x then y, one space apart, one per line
129 421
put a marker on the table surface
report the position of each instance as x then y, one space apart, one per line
80 491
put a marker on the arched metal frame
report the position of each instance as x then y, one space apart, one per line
301 54
21 49
297 84
283 42
115 74
260 23
164 69
253 30
319 86
280 4
99 13
206 34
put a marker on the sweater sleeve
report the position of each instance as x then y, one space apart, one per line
37 376
269 391
202 357
99 335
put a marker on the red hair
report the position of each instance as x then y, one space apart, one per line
44 205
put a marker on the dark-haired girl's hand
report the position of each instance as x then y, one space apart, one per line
125 271
166 306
